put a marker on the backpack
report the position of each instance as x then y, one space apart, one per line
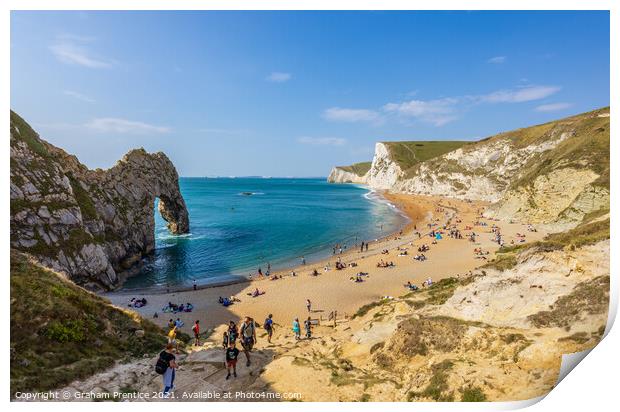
245 327
162 365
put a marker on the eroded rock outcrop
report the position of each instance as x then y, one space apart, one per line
92 225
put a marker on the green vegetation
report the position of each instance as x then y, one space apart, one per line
25 132
588 145
440 292
409 154
365 397
359 169
60 332
591 296
376 347
473 394
366 308
585 234
504 260
83 199
579 338
438 384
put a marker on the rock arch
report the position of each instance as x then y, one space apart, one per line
93 225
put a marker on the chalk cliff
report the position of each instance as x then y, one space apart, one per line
356 173
554 173
91 225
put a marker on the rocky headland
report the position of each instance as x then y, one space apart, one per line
94 226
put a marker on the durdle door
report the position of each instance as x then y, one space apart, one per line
89 224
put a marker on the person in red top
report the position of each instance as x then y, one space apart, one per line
196 329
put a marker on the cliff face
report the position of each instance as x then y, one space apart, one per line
92 225
384 172
338 175
554 173
355 173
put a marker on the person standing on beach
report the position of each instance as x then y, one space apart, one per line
303 261
248 337
269 327
296 329
194 284
309 305
232 353
196 330
366 246
362 247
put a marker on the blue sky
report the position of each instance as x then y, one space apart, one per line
294 93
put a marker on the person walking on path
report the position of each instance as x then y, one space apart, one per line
248 337
309 305
296 329
232 353
308 327
172 339
168 358
269 327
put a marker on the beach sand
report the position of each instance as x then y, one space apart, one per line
333 290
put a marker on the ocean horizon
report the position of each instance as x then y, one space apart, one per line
240 224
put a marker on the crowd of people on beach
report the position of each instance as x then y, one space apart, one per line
245 334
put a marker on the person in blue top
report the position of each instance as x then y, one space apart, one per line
269 327
296 329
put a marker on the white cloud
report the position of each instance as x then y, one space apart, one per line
497 60
70 49
322 141
437 112
79 96
444 110
339 114
553 107
523 94
124 126
279 77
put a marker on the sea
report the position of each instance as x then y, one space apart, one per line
238 225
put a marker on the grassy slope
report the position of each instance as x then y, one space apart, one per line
408 154
60 332
589 146
359 169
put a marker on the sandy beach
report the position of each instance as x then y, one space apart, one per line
333 290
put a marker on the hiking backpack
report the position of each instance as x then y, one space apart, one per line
162 365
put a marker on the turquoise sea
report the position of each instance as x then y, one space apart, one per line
240 224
